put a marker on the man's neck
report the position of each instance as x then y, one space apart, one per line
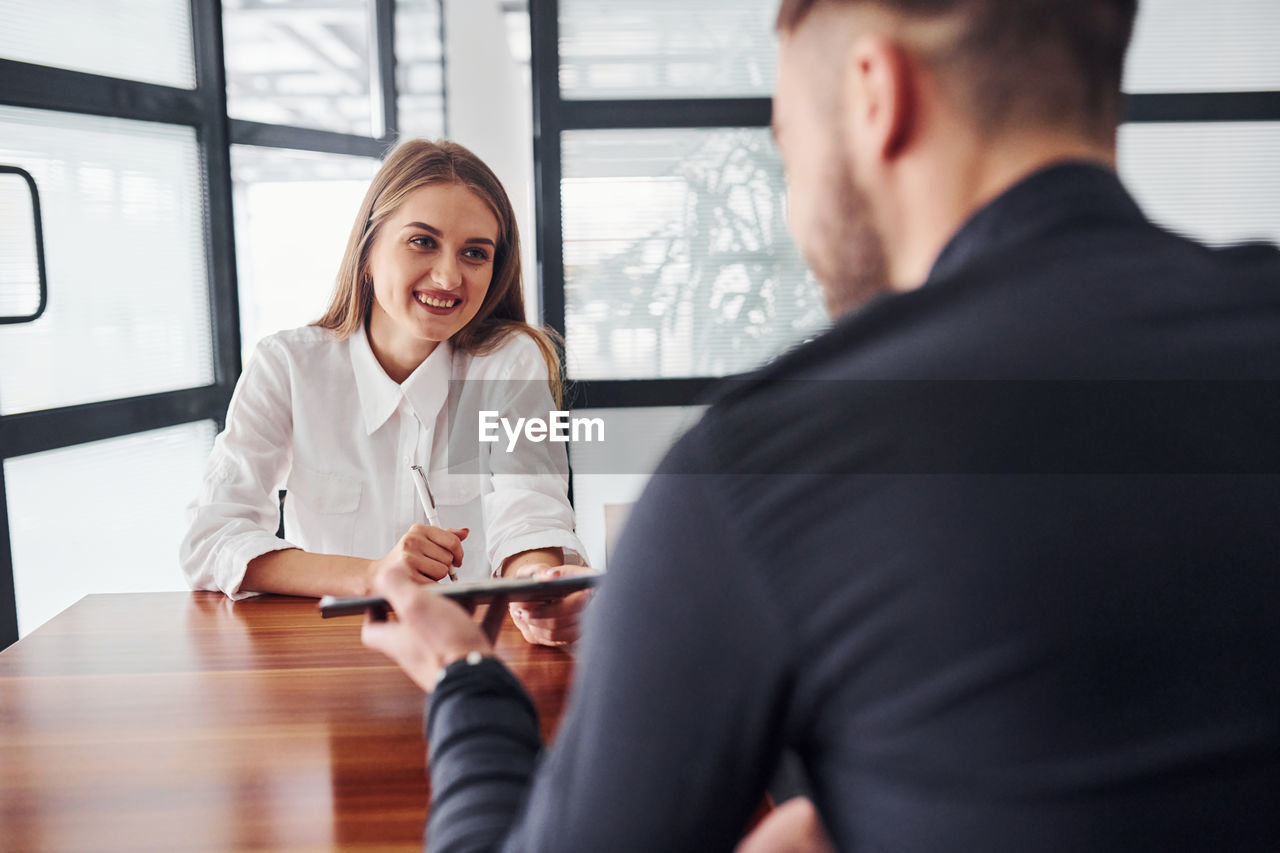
937 195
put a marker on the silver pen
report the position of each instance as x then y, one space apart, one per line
428 503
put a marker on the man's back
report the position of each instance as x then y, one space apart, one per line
994 557
1025 571
997 556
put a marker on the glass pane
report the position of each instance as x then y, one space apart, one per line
419 69
299 62
1216 182
293 211
101 517
147 40
667 48
1194 46
124 229
515 17
609 476
677 256
19 259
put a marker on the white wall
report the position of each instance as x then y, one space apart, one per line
490 110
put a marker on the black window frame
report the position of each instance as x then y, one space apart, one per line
553 114
204 108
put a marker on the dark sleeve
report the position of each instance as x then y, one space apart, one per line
483 734
673 725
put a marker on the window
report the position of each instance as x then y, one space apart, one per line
109 401
420 89
316 102
1202 140
301 64
1214 181
294 211
123 214
147 42
677 260
119 120
665 259
666 49
1192 46
61 504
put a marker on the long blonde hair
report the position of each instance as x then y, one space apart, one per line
417 163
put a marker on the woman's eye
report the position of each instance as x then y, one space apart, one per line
477 254
423 242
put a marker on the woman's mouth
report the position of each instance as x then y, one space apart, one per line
442 303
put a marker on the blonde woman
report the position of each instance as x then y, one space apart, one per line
427 300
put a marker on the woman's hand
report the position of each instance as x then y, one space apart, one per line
428 631
553 623
426 553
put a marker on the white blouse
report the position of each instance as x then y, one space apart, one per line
319 417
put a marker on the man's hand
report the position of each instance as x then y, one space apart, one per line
552 623
429 632
428 553
793 827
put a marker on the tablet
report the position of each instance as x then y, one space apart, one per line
475 592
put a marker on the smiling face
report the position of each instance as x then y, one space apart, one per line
431 264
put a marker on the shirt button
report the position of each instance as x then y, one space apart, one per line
408 460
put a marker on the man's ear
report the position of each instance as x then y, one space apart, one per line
879 99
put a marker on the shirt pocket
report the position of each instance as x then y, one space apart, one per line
454 489
324 510
325 494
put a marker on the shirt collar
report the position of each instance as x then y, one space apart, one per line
1044 200
426 389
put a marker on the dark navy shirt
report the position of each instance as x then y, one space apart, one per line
998 558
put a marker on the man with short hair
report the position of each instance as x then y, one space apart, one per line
997 556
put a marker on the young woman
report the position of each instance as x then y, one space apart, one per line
427 302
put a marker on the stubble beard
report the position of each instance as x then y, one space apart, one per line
856 270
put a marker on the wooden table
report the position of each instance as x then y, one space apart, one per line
175 721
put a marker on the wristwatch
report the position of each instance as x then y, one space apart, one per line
472 658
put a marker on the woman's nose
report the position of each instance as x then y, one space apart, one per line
445 273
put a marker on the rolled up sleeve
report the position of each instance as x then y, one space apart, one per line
529 506
235 516
525 513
